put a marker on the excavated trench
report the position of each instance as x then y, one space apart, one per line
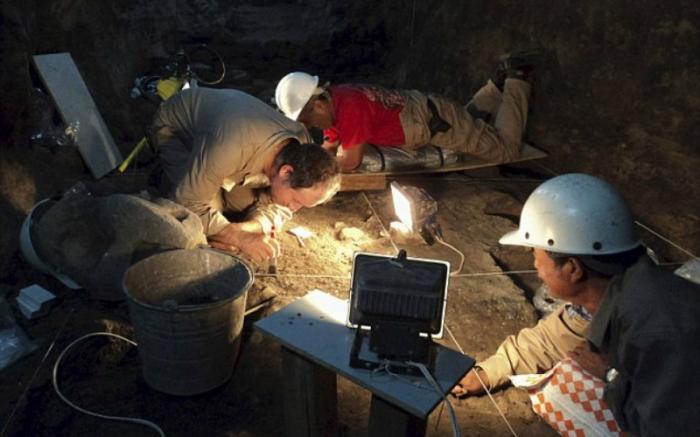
617 97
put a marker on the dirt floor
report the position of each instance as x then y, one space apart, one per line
105 375
618 98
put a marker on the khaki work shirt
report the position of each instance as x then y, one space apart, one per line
210 140
537 349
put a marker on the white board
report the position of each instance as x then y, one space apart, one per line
74 102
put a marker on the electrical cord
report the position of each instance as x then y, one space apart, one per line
211 51
385 367
36 371
429 377
91 413
459 252
109 334
486 389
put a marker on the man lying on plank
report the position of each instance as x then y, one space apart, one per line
490 126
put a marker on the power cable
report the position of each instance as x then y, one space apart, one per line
501 273
488 392
457 275
385 367
648 229
88 412
459 252
36 371
429 377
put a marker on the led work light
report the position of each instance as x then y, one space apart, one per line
397 304
417 210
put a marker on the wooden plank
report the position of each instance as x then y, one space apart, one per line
310 397
314 327
362 181
74 102
370 181
386 420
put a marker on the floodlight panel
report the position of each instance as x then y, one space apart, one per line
378 285
402 206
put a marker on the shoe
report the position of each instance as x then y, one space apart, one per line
519 65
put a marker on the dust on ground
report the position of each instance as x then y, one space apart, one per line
105 376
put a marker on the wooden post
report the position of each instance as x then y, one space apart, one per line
386 420
310 397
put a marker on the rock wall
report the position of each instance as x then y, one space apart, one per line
618 95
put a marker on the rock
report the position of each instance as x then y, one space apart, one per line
339 225
350 233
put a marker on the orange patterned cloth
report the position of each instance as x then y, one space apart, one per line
570 400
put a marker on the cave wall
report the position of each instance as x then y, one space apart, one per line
618 95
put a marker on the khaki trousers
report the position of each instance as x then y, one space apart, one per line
497 142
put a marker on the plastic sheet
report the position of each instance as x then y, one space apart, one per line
690 270
14 343
378 159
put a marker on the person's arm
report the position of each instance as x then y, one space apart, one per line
350 159
537 349
249 238
268 214
592 362
331 146
472 382
532 350
199 188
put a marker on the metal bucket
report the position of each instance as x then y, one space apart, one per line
187 308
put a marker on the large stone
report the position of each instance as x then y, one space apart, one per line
93 240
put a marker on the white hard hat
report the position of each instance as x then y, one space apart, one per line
575 214
29 253
294 91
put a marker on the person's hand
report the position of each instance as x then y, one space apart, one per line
331 146
592 362
470 385
254 244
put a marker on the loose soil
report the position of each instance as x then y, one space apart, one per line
104 375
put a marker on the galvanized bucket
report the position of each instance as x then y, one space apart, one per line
187 308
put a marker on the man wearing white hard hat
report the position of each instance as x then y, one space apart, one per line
644 336
353 116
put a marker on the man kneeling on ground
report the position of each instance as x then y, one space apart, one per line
224 151
643 335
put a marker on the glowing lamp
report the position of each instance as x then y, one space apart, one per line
417 210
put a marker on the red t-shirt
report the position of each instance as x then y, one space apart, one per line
366 114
